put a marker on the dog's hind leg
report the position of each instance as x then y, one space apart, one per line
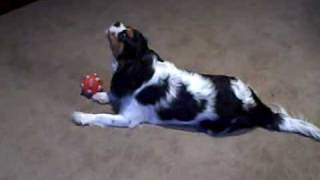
103 120
227 127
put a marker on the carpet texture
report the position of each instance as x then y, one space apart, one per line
46 46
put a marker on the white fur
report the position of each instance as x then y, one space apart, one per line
101 97
102 120
243 93
133 113
114 65
200 87
116 30
299 126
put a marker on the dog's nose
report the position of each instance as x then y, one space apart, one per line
117 24
116 28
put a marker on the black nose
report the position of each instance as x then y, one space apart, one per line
117 24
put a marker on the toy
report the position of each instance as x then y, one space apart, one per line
91 84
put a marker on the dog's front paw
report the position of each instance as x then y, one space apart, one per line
81 119
101 97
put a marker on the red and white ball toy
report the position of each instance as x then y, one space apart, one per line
91 84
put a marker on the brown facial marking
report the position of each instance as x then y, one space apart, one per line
130 32
115 45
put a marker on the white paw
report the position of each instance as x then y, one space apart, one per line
133 124
82 119
101 97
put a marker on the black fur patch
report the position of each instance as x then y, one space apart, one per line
117 24
134 65
130 77
184 107
152 94
221 125
157 55
227 105
134 47
231 114
263 116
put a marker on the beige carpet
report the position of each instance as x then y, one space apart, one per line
47 46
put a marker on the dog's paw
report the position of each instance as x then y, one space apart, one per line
101 97
81 119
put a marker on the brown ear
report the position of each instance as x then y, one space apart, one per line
130 32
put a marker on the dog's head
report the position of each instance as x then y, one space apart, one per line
126 43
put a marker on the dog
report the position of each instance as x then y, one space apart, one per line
147 89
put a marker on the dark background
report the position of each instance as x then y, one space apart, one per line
9 5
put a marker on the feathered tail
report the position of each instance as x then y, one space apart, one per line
283 122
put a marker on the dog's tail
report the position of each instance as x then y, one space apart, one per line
281 121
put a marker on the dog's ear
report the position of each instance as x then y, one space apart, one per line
147 58
135 44
142 44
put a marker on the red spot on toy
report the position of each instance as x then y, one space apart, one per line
90 84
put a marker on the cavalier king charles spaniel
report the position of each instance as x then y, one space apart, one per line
147 89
